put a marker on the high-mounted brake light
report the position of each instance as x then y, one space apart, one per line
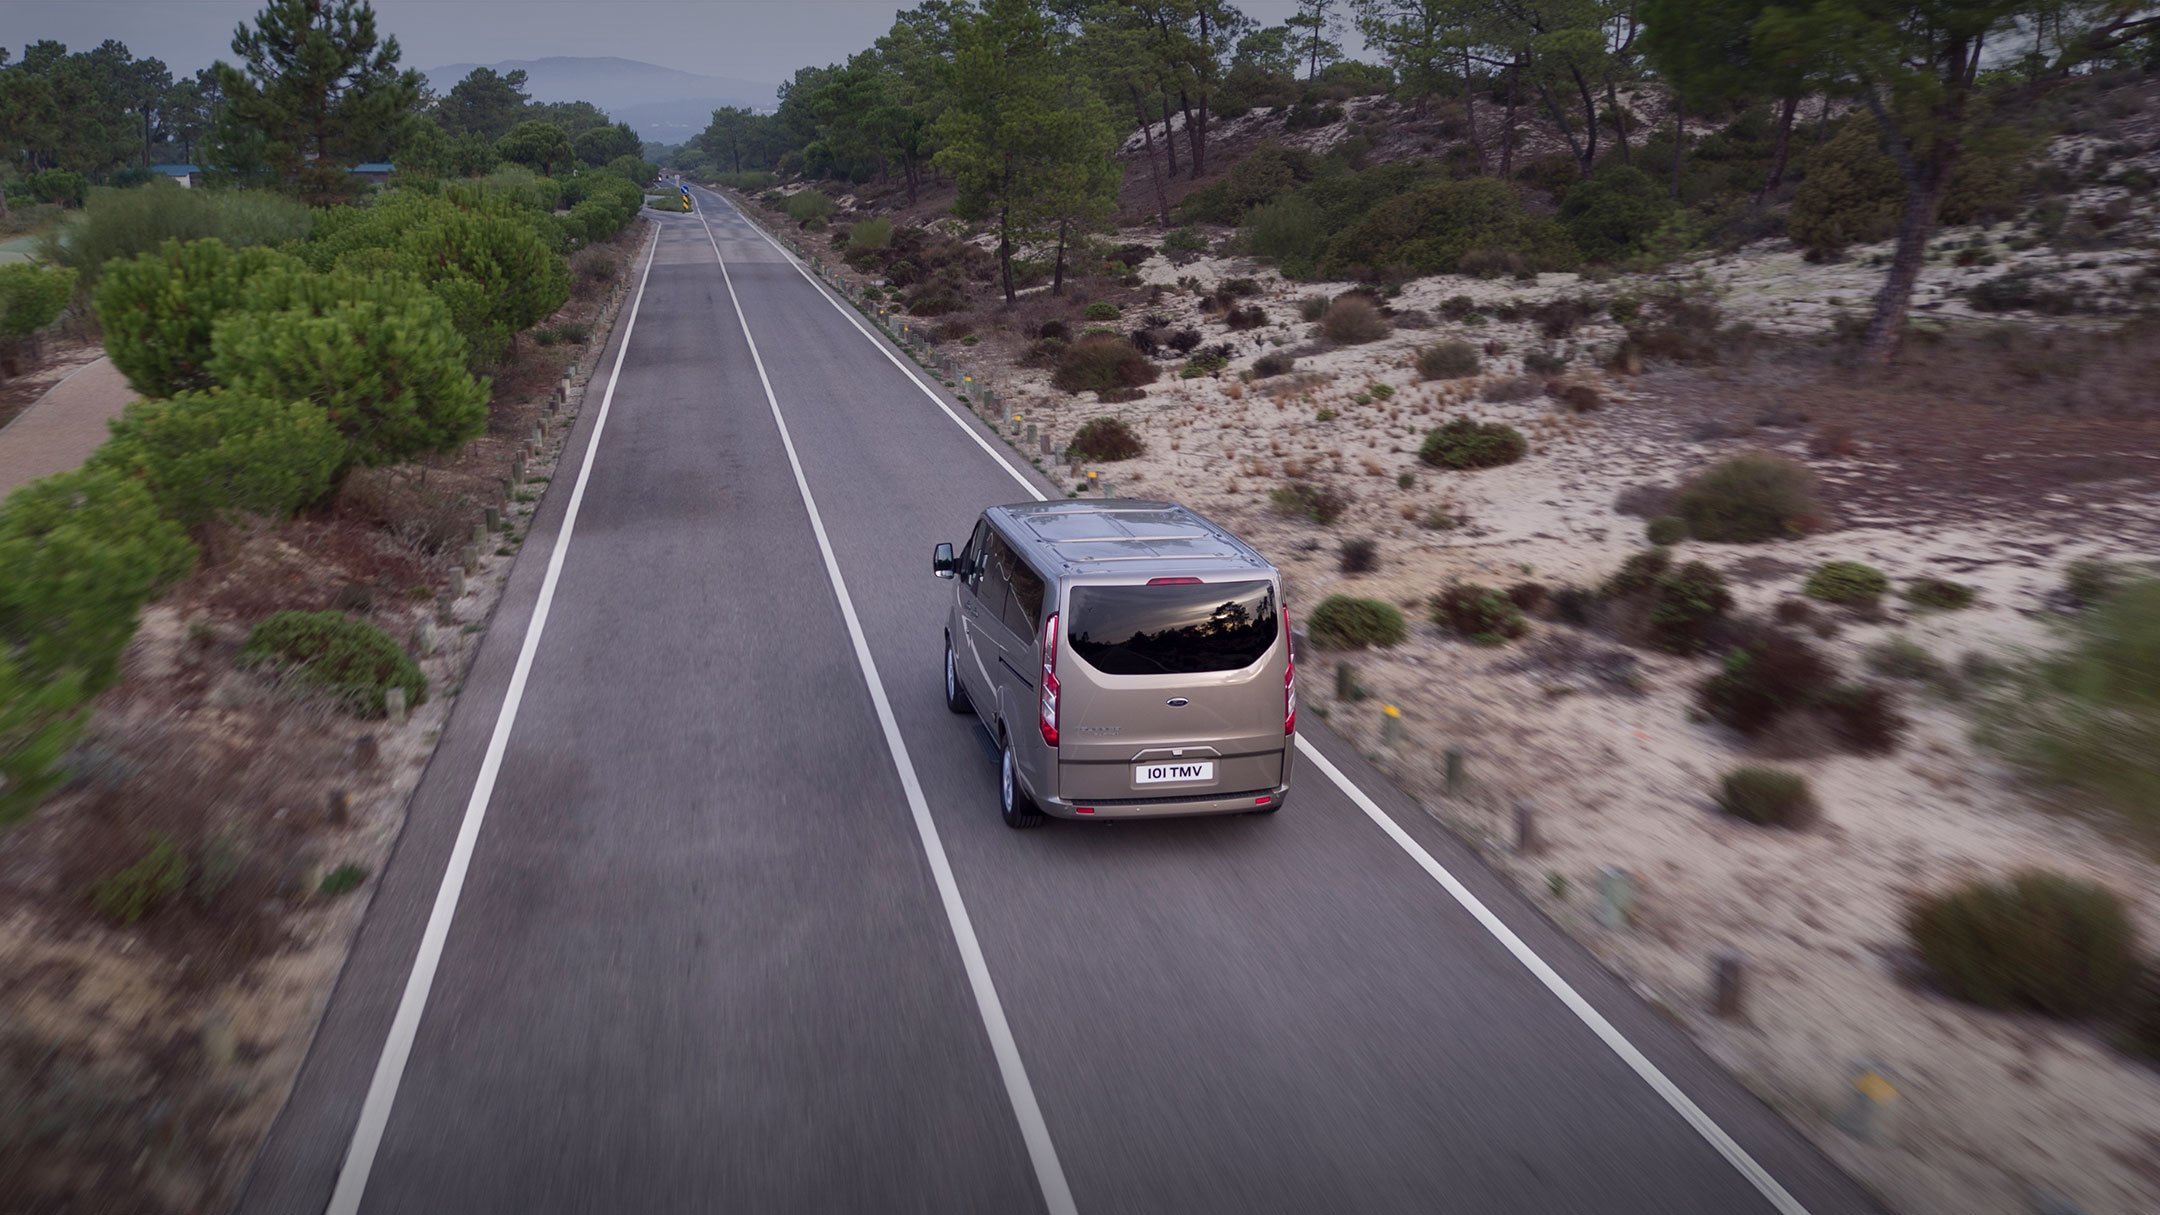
1289 679
1173 582
1048 709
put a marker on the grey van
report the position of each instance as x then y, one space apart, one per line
1130 658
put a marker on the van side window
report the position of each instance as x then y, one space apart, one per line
1023 612
976 553
991 586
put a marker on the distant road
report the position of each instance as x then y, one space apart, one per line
720 947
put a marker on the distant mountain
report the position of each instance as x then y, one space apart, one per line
659 103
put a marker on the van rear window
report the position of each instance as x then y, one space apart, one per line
1173 629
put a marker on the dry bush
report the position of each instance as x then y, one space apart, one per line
1520 388
1767 797
1102 363
1447 361
2039 940
1749 498
1353 320
1107 439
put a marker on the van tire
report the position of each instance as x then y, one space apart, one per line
956 697
1018 809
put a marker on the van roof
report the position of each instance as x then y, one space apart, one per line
1126 536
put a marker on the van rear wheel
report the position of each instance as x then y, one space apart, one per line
956 697
1018 808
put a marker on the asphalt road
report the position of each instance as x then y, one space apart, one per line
700 959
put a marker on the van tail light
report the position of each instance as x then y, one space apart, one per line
1049 704
1289 678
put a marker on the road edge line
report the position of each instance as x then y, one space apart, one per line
374 1118
1010 468
1034 1131
1584 1011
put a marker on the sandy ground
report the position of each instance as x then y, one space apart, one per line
1994 1109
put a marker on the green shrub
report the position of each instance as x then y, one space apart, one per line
1767 797
1940 594
1273 363
1353 320
1288 231
1666 529
206 456
40 718
32 297
756 179
1688 603
1349 623
1312 307
1447 361
1479 613
1847 582
129 895
1638 573
159 309
1853 193
2087 720
2090 580
874 233
806 205
80 553
2039 940
121 225
1902 658
1749 498
1769 675
1184 240
61 186
1863 717
2139 1033
377 353
350 657
342 880
1107 439
1101 310
1429 230
1463 443
1612 215
1102 363
1265 173
1323 504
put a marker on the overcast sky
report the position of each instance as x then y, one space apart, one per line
762 40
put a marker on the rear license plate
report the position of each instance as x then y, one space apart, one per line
1197 772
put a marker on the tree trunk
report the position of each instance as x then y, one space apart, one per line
1781 149
1057 274
914 176
1619 118
1192 135
1822 122
3 200
1589 107
1679 142
1147 135
1507 121
1560 120
1005 252
1469 107
1169 137
1199 146
1887 326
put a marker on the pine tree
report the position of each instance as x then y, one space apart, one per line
317 90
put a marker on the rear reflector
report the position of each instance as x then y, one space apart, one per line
1173 582
1083 809
1262 801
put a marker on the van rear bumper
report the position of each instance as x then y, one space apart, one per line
1164 807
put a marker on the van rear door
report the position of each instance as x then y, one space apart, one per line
1176 688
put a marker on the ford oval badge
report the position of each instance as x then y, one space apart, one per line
1177 702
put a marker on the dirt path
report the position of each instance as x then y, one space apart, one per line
64 426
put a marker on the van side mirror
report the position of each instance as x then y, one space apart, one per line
941 561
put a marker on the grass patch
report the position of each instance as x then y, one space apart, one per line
1846 582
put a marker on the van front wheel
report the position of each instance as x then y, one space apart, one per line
1018 808
956 697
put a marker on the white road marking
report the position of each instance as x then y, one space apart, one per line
397 1048
1614 1040
1049 1174
936 398
1733 1153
